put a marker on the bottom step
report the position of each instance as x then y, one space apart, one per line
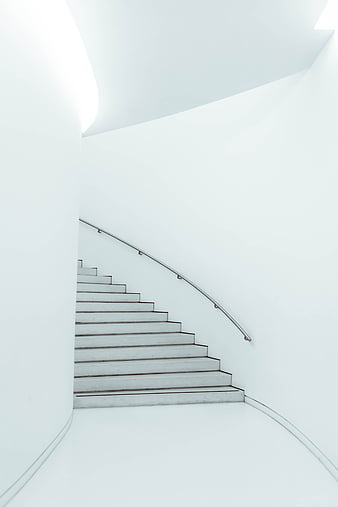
215 394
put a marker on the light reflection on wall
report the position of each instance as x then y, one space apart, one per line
328 19
51 24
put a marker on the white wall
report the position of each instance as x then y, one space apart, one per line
40 143
239 195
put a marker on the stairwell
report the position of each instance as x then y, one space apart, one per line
128 354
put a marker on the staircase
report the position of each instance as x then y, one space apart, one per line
128 354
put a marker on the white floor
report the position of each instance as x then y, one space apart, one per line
179 456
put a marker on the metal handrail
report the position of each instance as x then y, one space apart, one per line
217 306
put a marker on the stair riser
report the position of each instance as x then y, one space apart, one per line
94 279
127 327
162 380
123 353
133 400
87 271
122 317
114 307
130 340
97 287
111 298
146 366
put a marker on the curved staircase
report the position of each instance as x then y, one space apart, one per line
127 354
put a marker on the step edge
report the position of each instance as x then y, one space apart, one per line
136 334
91 395
143 346
150 373
131 322
128 391
145 359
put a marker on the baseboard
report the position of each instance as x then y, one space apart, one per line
14 488
291 428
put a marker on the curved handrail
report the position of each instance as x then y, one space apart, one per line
246 336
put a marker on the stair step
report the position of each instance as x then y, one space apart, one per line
114 307
97 287
135 366
151 381
86 271
147 352
121 316
94 279
126 327
102 297
134 340
224 394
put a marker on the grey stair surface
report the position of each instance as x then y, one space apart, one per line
119 306
102 297
100 287
151 381
126 327
94 279
147 352
121 316
134 339
86 271
159 397
131 366
128 354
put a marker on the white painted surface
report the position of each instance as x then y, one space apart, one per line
311 446
22 480
240 196
40 145
328 19
184 456
153 58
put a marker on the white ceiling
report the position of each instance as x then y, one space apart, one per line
153 58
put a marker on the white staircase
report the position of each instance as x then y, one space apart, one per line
126 353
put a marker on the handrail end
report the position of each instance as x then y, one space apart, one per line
247 338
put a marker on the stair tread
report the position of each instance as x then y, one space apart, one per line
120 311
105 301
130 322
164 390
151 374
177 358
147 380
143 346
101 328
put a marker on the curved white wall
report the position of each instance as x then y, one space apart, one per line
239 195
40 145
